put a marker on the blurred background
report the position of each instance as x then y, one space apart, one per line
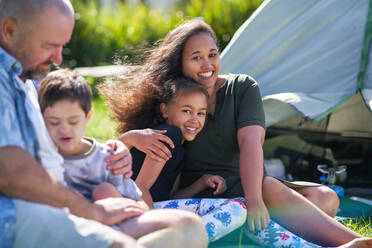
110 31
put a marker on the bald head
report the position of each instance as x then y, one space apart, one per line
24 12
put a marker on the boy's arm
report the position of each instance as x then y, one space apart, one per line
21 176
205 181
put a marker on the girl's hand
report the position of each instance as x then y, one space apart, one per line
215 182
120 162
257 215
150 141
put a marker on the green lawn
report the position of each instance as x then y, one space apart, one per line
362 226
102 128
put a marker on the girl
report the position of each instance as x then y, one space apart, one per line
180 108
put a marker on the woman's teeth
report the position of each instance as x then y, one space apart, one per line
206 74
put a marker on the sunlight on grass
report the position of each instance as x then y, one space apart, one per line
362 226
100 127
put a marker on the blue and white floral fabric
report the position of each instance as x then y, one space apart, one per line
275 235
221 216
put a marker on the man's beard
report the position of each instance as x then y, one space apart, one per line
34 74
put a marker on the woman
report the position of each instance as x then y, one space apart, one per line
231 143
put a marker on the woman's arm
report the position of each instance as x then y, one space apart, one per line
250 141
147 176
149 141
205 181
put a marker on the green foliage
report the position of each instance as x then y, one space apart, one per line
104 35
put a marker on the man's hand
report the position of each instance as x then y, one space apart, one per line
112 211
121 161
257 215
214 182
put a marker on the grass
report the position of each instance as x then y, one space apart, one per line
102 128
362 226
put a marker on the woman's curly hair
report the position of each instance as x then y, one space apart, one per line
134 97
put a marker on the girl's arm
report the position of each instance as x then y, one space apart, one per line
147 176
250 141
149 141
205 181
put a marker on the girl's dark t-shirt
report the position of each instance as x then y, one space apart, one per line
162 187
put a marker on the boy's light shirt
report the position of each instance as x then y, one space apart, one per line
51 160
83 172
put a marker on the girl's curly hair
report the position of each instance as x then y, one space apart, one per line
134 97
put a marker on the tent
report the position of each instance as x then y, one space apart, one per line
312 61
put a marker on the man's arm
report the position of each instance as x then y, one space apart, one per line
23 177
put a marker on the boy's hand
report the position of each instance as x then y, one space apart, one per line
215 182
120 162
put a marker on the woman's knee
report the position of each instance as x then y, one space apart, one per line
325 198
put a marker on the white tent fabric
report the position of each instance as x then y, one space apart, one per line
303 53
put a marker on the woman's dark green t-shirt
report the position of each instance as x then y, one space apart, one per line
215 149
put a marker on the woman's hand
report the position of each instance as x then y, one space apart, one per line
120 162
214 182
149 141
257 215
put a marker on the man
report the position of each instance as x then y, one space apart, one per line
36 209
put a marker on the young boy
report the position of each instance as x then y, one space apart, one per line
65 102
